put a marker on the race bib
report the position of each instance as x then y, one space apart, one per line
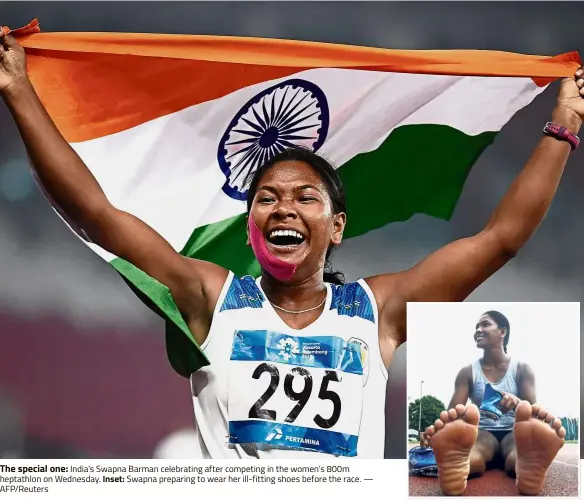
295 392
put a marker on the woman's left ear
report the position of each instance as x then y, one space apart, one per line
340 222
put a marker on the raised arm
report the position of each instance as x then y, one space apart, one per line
453 272
194 284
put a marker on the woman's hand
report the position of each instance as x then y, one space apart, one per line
12 63
425 439
569 110
509 402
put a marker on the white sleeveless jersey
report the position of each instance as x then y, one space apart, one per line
272 391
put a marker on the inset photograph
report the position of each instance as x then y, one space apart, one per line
494 399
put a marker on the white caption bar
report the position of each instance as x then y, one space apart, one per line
74 479
306 479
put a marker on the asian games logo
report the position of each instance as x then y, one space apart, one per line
288 348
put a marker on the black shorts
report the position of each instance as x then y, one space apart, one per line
499 434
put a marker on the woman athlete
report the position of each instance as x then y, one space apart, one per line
297 364
510 425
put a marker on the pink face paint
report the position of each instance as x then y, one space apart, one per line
279 269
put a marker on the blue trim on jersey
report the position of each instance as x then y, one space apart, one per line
332 353
351 299
242 293
291 436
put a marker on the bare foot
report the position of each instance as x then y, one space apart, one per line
538 438
452 437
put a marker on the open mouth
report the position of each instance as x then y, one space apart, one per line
285 238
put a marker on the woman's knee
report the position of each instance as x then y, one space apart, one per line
510 460
507 445
478 463
487 445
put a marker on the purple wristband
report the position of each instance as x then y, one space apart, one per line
562 134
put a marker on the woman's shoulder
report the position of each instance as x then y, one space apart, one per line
521 366
354 299
468 370
240 292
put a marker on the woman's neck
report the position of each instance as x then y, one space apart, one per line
494 356
295 295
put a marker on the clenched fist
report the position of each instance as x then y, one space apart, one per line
12 63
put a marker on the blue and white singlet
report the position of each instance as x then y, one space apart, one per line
272 391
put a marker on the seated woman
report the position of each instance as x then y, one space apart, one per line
502 421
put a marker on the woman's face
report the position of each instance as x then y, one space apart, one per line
487 333
294 213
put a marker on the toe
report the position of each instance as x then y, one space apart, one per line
460 410
542 413
430 431
523 411
471 415
561 432
438 425
444 417
535 409
452 414
549 418
556 424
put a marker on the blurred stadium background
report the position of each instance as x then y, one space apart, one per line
83 369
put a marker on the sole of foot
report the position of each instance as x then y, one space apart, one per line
538 438
452 438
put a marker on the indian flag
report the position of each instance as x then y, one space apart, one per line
171 124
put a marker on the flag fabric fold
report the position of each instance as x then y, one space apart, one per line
170 125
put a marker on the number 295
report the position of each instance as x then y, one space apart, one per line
302 397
